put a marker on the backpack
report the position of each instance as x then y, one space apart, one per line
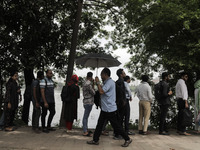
65 95
158 90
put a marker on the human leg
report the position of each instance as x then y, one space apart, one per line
88 108
147 112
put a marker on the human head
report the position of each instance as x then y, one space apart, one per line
105 74
145 78
184 76
127 79
40 74
49 73
120 73
75 78
89 75
165 76
14 75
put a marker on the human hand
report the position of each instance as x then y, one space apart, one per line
9 105
170 93
46 105
186 105
96 79
37 105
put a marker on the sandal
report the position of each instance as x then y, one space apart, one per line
88 134
9 129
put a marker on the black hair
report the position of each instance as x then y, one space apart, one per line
119 72
40 74
164 74
48 70
89 74
13 72
145 78
106 71
183 74
126 78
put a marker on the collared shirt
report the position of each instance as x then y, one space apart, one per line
144 92
181 90
128 90
108 99
88 93
48 85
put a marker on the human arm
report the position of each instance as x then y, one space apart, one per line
99 86
35 98
42 90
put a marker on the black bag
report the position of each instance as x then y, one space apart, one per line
186 116
158 89
97 99
65 95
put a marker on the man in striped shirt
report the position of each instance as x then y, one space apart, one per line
47 101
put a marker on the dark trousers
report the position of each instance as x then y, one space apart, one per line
163 115
127 116
181 105
35 116
9 115
52 112
120 118
112 117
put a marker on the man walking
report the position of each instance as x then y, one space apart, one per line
36 96
127 80
48 101
108 108
182 96
164 103
144 94
120 98
88 101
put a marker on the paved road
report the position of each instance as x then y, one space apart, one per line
24 139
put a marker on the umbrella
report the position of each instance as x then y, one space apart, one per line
96 60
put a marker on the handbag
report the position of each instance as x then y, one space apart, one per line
186 116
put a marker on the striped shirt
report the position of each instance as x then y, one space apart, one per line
48 85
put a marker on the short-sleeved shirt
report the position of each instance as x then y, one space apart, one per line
108 99
48 85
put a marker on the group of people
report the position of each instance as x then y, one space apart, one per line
114 103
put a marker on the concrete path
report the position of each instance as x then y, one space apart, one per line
25 139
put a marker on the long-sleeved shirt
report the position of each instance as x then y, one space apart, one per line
181 90
128 91
88 93
144 92
165 100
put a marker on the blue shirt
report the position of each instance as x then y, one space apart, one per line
108 99
48 85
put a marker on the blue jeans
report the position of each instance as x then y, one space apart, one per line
88 108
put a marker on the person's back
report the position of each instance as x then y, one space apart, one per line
144 91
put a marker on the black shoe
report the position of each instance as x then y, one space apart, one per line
126 143
118 137
51 129
140 132
45 130
93 142
130 133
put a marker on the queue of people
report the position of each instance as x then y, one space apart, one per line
114 103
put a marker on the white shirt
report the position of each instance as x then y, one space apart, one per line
144 92
181 90
128 90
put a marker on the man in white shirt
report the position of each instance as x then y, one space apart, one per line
182 97
144 94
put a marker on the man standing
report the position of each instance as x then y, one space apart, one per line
48 101
88 101
164 103
127 80
108 108
120 98
144 94
36 96
182 96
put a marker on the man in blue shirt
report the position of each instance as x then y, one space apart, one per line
47 101
108 108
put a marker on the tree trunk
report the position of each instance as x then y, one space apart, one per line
29 76
72 53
